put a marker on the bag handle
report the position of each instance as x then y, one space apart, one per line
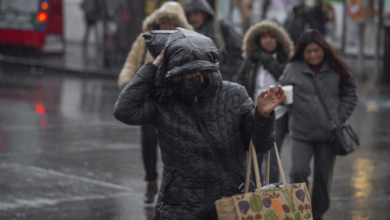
268 166
352 134
252 156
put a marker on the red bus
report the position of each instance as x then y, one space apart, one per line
36 24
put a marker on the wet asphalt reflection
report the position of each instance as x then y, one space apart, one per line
64 156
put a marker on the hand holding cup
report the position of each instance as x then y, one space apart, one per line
268 99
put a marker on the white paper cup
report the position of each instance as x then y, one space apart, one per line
288 90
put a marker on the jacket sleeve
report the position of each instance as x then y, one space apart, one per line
134 106
133 61
271 64
348 101
286 77
255 126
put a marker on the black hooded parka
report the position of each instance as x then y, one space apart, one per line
228 41
193 179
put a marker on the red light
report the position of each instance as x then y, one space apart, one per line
127 16
44 6
42 17
40 109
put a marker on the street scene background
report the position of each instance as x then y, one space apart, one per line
64 156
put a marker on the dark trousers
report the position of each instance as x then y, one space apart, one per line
281 130
149 140
324 159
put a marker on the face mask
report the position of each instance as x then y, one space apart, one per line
192 87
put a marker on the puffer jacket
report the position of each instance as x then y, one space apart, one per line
193 179
309 121
138 55
255 56
228 41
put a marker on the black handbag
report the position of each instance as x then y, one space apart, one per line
343 138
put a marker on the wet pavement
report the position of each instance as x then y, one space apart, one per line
76 58
63 156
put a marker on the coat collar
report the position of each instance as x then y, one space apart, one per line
308 70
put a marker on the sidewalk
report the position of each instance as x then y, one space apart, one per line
76 59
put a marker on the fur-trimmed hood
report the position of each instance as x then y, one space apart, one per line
271 28
171 11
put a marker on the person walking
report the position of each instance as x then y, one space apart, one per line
297 21
315 63
229 43
267 49
169 16
92 14
193 102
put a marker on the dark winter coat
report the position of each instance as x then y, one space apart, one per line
228 41
296 24
255 56
309 121
193 179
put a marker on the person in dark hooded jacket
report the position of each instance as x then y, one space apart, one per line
193 93
229 43
297 21
267 49
169 16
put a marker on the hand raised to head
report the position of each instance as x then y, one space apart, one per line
268 99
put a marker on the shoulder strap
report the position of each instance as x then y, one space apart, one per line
322 102
219 154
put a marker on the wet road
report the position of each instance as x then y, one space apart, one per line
64 156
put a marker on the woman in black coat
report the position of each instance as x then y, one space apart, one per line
267 49
187 87
315 64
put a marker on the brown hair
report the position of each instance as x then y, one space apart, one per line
335 62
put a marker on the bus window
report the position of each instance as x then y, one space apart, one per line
21 15
32 23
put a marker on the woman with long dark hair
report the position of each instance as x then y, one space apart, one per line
315 63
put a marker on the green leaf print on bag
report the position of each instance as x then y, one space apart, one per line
271 215
256 204
297 216
289 198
